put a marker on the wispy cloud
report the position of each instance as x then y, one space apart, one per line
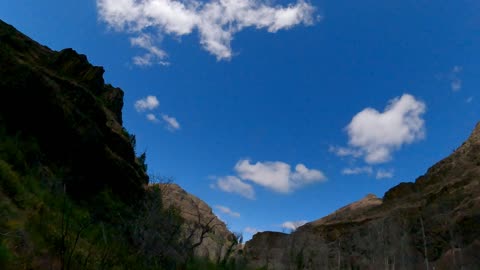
151 103
469 100
152 118
376 135
345 151
233 184
357 170
227 211
293 225
147 104
384 174
217 21
251 230
456 85
154 54
172 123
455 81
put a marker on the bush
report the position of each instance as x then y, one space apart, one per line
10 182
5 256
21 153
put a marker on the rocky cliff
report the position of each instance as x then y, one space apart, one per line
61 100
210 235
432 223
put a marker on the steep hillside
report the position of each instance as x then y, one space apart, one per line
73 192
433 223
61 100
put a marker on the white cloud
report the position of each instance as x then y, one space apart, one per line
228 211
277 175
150 103
357 170
384 174
251 230
154 53
293 225
455 81
232 184
146 104
217 21
152 118
172 123
456 85
469 100
145 60
345 151
378 134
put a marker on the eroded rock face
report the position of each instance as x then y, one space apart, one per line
60 99
436 218
198 216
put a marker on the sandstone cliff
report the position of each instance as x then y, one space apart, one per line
433 223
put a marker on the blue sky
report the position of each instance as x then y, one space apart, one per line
361 95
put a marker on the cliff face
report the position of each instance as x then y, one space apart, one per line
61 100
433 223
211 235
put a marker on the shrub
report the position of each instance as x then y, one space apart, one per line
5 256
10 182
142 160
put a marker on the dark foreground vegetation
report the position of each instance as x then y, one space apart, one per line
42 227
73 192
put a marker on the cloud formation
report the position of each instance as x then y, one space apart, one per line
172 123
376 135
217 21
293 225
227 211
151 103
384 174
152 118
147 104
277 175
345 151
232 184
274 175
153 53
357 170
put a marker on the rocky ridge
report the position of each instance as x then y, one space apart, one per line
432 223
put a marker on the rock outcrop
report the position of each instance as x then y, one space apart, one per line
433 223
211 235
61 100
